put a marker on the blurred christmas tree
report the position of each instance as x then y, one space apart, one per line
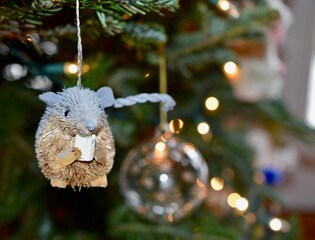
224 72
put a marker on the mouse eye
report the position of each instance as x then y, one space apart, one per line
67 112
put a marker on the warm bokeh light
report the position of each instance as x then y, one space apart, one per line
231 71
232 198
230 67
126 16
72 68
85 68
224 5
212 103
160 146
217 183
203 128
250 218
275 224
234 12
147 75
259 177
241 204
176 125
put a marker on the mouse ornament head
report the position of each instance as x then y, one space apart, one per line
74 144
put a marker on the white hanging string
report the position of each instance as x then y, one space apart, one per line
80 54
167 100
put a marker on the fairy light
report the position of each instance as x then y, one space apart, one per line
72 68
224 5
231 71
203 128
275 224
232 198
160 146
228 7
230 67
217 183
241 204
212 103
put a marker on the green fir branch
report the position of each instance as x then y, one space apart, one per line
142 35
130 7
260 17
164 231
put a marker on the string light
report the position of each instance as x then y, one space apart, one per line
232 198
231 71
241 204
275 224
72 68
212 103
224 5
160 146
203 128
217 183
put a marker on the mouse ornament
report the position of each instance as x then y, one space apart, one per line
74 144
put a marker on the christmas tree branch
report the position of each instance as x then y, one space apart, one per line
234 31
125 6
164 230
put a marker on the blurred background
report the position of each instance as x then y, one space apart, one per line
236 160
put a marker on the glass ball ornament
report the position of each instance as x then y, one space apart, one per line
164 179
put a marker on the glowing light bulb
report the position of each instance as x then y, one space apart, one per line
163 177
160 146
241 204
72 68
217 183
230 67
275 224
176 125
231 71
224 5
203 128
232 198
212 103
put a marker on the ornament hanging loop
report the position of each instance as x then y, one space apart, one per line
80 53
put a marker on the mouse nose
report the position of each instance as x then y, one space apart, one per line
91 126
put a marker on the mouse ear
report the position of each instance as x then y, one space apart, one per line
49 98
107 97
